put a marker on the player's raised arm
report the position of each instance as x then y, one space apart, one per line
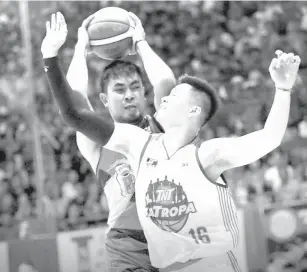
77 75
159 74
234 152
98 128
76 115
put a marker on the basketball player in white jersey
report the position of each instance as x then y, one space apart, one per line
184 207
121 84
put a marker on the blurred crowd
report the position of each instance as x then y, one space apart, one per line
230 44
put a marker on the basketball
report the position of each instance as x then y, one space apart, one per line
110 33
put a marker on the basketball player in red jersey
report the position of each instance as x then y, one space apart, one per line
122 93
184 207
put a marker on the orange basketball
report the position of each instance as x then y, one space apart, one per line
110 33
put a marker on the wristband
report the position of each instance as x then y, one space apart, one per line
285 90
138 42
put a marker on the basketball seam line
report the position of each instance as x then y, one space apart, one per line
111 22
113 39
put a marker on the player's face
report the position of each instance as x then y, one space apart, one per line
125 99
175 108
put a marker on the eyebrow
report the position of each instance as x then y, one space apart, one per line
119 84
134 82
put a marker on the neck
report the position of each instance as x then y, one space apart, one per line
138 122
176 138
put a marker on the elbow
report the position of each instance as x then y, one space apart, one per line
165 77
169 78
71 119
274 137
275 145
167 83
273 142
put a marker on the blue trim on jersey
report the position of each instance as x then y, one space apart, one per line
142 153
100 154
233 261
229 215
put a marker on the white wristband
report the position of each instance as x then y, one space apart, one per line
284 90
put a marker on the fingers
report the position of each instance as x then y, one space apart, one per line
297 60
278 53
291 56
57 23
284 58
53 22
47 26
134 17
274 64
87 21
61 22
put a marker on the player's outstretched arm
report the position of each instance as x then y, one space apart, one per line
100 129
234 152
75 113
77 77
159 73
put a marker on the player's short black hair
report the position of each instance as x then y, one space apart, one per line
202 86
117 69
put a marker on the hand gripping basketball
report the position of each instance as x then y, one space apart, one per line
83 37
284 70
138 34
56 34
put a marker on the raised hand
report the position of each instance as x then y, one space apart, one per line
284 70
56 33
138 34
83 37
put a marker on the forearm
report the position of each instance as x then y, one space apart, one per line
77 75
154 66
235 152
159 74
277 121
74 111
62 92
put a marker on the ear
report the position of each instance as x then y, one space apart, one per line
104 99
196 110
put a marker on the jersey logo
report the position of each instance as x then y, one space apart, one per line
151 162
124 176
167 205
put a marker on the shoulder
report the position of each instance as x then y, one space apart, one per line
217 144
208 151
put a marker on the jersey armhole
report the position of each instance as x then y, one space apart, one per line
99 158
203 171
142 154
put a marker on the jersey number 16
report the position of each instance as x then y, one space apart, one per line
200 235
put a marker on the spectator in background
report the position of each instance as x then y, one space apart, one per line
69 189
232 61
74 217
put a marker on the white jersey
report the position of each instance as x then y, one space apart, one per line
184 215
114 171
